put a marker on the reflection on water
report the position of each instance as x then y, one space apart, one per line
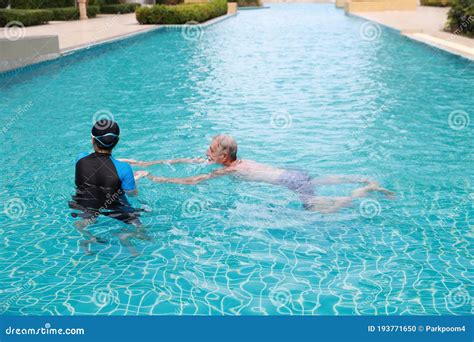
306 94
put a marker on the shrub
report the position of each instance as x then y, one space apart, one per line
96 3
248 3
105 2
3 3
72 13
169 2
26 17
66 13
92 11
181 14
436 3
35 4
119 8
461 17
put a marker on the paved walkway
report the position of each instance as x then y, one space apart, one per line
81 33
425 25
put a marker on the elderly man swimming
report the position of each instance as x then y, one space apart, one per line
223 150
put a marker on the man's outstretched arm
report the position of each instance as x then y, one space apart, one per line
189 180
164 161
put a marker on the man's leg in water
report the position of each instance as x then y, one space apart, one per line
326 204
330 204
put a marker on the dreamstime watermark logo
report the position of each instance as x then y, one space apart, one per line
369 208
379 153
458 297
193 207
104 296
373 116
366 300
104 118
369 31
14 30
19 112
107 26
4 306
192 30
380 110
14 208
110 200
280 296
464 24
458 120
46 330
281 120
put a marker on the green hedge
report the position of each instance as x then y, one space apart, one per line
34 4
92 11
66 13
26 17
461 17
72 13
96 3
169 2
437 3
119 8
181 14
103 2
248 3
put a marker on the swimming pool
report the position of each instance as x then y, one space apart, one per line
298 86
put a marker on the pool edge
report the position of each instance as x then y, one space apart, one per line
144 31
412 36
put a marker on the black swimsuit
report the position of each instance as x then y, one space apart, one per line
101 181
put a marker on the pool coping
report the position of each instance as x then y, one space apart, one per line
425 38
95 44
250 8
145 30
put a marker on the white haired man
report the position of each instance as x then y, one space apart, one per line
223 151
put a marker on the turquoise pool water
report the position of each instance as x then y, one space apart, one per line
300 87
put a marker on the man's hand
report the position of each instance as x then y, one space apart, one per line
141 174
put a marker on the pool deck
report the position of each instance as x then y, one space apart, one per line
82 33
426 26
73 35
